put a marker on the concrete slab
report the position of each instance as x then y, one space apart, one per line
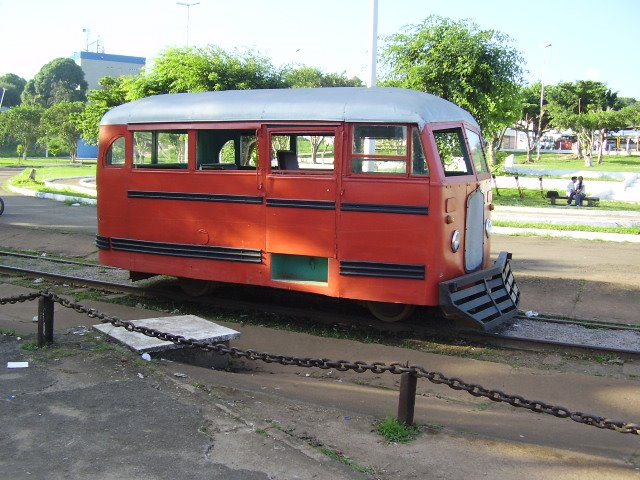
189 326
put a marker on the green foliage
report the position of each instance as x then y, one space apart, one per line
396 432
311 77
476 69
191 69
59 128
60 80
22 124
13 86
114 92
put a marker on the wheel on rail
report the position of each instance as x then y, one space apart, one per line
390 312
1 206
197 288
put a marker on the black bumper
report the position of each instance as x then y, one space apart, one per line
483 299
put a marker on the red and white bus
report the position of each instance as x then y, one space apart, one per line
380 195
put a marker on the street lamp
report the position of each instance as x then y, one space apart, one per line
544 61
188 5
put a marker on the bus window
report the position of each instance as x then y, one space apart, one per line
310 152
418 160
115 154
160 149
226 150
477 152
379 149
452 151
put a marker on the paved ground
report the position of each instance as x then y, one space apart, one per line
88 410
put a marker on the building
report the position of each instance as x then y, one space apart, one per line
96 66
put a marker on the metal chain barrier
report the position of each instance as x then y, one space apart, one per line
342 366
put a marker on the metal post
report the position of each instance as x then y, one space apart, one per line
407 399
45 321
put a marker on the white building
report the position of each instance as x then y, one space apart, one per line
98 65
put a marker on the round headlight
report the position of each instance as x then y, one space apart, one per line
488 227
455 241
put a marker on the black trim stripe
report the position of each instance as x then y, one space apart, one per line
187 250
384 208
378 269
291 203
199 197
102 242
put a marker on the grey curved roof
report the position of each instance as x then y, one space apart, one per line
350 104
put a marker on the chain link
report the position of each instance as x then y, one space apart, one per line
341 365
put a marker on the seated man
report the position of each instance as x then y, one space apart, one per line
571 189
580 192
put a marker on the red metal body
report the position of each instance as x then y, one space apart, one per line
252 223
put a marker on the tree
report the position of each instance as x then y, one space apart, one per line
311 77
190 69
114 92
13 86
476 69
588 108
22 124
531 121
60 80
59 126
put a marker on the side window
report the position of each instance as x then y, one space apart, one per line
477 152
226 150
115 154
309 152
418 160
452 151
379 149
160 149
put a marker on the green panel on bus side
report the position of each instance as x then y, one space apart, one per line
299 268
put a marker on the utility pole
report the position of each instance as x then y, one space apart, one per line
544 61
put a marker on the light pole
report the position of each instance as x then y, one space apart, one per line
188 5
544 61
374 43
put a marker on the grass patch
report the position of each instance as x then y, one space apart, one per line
24 180
568 161
396 432
340 457
567 228
48 173
43 162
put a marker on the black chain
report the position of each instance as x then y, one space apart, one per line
342 365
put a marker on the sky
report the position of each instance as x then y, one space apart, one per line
560 40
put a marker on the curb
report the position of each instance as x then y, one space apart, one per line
51 196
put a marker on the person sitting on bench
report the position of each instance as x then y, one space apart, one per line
571 189
580 192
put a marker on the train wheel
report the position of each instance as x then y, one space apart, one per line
390 312
196 288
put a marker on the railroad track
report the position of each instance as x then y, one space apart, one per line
541 334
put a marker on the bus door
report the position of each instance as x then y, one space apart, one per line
300 197
383 224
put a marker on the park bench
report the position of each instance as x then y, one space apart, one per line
554 196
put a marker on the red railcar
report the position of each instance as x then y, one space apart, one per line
380 195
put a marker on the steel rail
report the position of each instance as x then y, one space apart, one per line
422 331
